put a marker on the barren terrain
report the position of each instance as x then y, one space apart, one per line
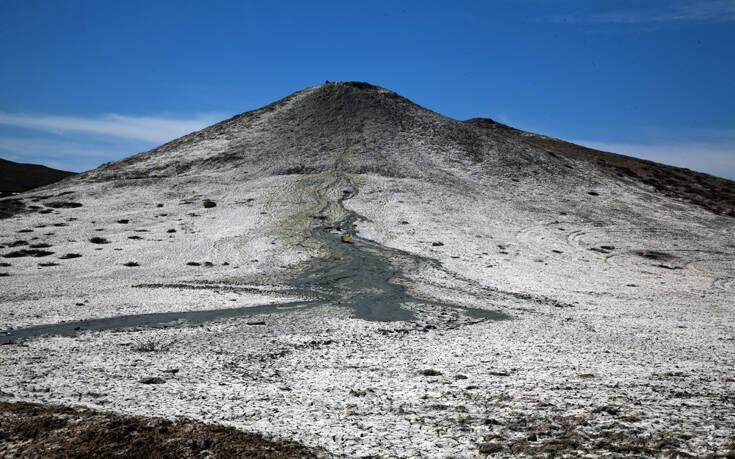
350 271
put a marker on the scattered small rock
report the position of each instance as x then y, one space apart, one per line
208 204
490 448
437 244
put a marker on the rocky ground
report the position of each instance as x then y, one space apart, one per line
350 271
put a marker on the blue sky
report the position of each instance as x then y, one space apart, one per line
84 82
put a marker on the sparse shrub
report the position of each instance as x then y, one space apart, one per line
152 344
123 221
98 240
208 204
171 230
70 256
193 263
131 264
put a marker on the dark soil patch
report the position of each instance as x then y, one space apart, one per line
33 430
63 205
5 265
17 243
654 255
28 253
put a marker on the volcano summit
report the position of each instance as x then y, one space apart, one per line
348 270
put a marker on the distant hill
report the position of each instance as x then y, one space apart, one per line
17 177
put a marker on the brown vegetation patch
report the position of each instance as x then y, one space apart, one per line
32 430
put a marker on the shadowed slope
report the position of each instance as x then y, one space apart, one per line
709 192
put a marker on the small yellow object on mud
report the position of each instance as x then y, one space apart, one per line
346 238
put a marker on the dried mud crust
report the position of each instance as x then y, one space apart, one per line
33 430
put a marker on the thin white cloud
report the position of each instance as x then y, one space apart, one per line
145 128
52 148
689 11
712 158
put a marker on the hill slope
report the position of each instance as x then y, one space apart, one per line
348 269
17 177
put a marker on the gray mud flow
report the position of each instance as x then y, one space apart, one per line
154 320
360 274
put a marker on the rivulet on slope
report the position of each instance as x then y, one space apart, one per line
355 272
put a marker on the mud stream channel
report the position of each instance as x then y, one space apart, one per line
356 273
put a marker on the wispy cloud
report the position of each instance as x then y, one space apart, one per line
689 11
79 143
712 158
145 128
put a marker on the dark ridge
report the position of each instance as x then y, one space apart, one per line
18 177
712 193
